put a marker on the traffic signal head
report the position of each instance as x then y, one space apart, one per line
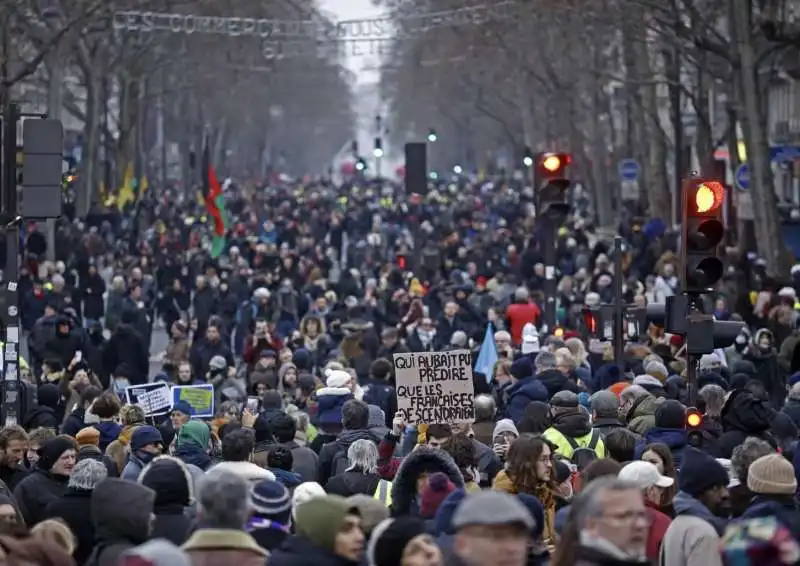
694 418
527 158
703 232
361 165
553 165
432 137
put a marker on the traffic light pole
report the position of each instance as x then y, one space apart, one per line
9 314
550 259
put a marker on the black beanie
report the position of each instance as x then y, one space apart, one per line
700 472
390 539
671 414
51 451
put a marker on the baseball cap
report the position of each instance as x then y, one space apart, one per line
489 508
644 475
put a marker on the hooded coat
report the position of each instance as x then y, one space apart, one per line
423 460
172 483
121 517
743 415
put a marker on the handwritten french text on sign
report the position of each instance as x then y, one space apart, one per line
435 387
154 398
199 397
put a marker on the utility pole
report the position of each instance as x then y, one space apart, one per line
9 219
42 148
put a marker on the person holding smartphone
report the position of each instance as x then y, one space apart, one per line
505 432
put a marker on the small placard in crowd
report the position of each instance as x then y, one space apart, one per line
154 398
199 397
435 387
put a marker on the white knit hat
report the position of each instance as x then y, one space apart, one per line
305 492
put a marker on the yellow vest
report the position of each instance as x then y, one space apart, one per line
383 492
564 448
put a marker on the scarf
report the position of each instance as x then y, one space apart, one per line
544 494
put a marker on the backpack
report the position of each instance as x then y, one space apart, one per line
340 463
583 456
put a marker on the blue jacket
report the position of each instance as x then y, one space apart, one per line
522 393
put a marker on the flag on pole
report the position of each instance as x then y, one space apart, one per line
487 356
127 193
215 203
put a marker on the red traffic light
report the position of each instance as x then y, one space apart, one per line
694 418
704 198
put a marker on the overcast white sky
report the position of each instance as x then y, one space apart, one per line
354 10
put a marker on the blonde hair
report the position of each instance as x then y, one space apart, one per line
565 358
578 350
57 532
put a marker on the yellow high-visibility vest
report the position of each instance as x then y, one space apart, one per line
383 492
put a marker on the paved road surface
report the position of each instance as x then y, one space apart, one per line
157 345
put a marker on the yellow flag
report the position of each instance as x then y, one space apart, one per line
126 192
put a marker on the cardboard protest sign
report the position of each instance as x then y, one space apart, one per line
199 397
435 387
154 398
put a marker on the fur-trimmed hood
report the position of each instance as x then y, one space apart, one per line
422 460
166 476
247 470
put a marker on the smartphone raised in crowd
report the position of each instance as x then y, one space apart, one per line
253 404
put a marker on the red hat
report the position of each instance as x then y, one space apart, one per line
436 489
570 334
481 280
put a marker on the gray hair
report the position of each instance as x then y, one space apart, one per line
485 407
794 392
223 499
604 404
714 397
545 360
746 453
363 455
589 503
633 393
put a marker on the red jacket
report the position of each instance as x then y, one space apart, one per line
518 315
659 522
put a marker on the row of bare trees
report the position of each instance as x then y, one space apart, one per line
150 99
605 80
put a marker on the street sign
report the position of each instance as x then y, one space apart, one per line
629 169
742 177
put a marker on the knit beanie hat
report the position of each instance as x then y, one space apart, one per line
671 414
88 436
700 472
619 387
270 500
656 369
372 511
390 538
320 519
86 474
304 492
436 489
771 475
52 450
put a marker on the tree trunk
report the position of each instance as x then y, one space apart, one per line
768 231
87 190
